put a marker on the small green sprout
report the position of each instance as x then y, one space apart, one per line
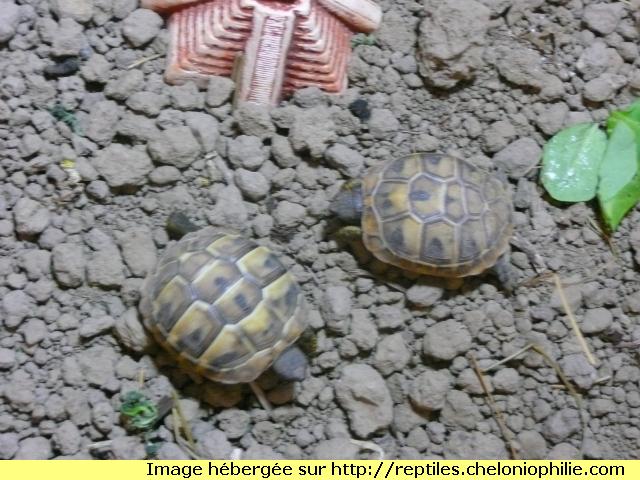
363 39
138 411
62 114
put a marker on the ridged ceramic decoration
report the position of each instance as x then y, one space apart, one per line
269 47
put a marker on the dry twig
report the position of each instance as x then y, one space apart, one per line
137 63
497 413
574 322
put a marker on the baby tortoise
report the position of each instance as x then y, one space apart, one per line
227 308
431 214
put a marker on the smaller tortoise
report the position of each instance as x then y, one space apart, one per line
431 214
227 308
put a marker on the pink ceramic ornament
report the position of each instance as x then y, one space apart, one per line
270 47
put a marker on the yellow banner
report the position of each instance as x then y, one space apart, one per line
321 470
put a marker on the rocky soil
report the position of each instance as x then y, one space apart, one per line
84 196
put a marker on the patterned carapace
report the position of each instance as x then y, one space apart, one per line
224 306
436 215
270 47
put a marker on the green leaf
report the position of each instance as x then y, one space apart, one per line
619 188
631 115
571 162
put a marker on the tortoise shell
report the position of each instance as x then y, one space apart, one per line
224 306
435 215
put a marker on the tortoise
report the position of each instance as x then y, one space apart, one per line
225 307
431 214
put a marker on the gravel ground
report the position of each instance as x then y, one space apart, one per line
83 205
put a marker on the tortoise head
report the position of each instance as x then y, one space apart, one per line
347 204
291 365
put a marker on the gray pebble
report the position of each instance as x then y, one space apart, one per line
171 451
283 152
102 121
138 249
164 175
34 448
234 423
254 120
459 410
392 354
205 128
561 425
429 390
348 162
109 162
130 331
128 448
16 306
141 26
507 380
219 91
604 87
363 394
30 217
335 449
96 69
7 359
69 38
9 19
186 97
175 146
519 157
564 451
246 152
313 130
532 445
103 416
578 369
253 185
121 87
97 364
603 17
364 333
476 445
424 296
288 214
148 103
67 438
230 210
80 10
105 268
383 123
98 190
34 331
336 307
214 444
8 445
446 340
69 264
596 320
96 325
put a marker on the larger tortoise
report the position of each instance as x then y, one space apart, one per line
431 214
227 308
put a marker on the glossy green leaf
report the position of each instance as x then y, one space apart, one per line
631 114
571 162
619 188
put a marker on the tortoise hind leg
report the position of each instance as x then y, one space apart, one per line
505 273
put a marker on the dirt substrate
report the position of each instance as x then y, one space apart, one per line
83 205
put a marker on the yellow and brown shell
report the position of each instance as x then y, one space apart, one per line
436 215
224 306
